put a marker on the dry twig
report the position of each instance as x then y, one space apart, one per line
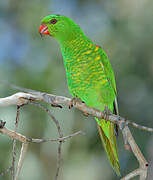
21 159
60 136
31 96
14 144
25 141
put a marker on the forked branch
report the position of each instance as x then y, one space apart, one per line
31 96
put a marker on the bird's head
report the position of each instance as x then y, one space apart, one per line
58 26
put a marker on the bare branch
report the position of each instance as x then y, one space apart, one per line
32 96
64 138
51 116
18 99
132 174
21 159
14 144
24 139
59 159
13 134
60 135
143 164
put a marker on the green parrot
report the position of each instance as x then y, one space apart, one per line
89 75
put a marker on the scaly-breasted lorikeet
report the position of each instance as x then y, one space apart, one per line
89 74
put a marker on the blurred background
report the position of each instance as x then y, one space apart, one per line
125 31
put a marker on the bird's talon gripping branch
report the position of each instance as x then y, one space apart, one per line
73 102
2 124
107 112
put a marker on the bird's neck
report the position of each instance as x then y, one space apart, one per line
74 45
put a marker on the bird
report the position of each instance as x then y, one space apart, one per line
89 74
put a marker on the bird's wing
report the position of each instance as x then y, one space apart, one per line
111 79
108 71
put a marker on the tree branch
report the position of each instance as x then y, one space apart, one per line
31 97
21 159
14 144
25 141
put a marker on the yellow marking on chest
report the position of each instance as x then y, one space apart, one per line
78 59
87 52
96 49
77 74
97 58
104 81
93 74
102 65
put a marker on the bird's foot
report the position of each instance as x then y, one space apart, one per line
56 105
107 112
73 102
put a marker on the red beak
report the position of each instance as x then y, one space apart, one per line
43 29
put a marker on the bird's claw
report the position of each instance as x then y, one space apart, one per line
73 102
107 112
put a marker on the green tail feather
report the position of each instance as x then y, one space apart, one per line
110 146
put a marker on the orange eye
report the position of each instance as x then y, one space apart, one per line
53 21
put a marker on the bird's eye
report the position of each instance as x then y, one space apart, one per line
53 21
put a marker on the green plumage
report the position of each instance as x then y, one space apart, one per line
89 74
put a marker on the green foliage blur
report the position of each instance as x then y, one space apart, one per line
124 29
